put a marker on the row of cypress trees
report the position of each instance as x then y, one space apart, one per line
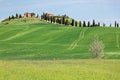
19 16
65 20
14 17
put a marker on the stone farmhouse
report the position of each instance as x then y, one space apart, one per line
49 15
29 15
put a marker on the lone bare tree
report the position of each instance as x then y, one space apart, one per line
96 48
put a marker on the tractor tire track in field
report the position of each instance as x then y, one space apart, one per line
81 36
50 44
22 33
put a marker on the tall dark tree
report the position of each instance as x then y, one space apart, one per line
51 19
33 14
48 18
115 24
57 20
110 25
93 23
41 17
13 17
17 15
37 16
73 22
63 20
60 21
84 24
20 16
104 25
9 18
76 23
66 22
98 24
88 24
80 24
45 16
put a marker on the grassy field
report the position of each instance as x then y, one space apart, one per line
25 39
34 50
60 70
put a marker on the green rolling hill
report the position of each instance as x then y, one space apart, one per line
34 39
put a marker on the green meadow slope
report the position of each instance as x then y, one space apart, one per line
33 39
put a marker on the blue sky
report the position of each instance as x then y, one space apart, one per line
101 10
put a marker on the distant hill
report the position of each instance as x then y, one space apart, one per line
35 39
55 19
21 21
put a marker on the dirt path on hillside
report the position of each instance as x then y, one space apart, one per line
80 37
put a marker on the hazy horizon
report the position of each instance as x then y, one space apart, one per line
101 10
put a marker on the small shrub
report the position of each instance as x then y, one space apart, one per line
96 48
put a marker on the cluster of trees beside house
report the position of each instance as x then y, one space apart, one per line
60 19
18 16
66 20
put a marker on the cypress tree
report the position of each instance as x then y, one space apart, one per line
13 17
63 20
60 21
48 19
110 25
41 17
20 16
98 23
88 23
115 24
76 23
17 15
57 20
80 24
9 18
84 24
104 25
66 22
51 18
93 23
37 16
73 22
45 16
